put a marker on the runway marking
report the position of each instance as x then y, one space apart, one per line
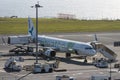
2 71
60 36
77 74
101 73
90 35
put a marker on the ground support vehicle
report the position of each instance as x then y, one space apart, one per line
100 77
101 63
11 65
42 68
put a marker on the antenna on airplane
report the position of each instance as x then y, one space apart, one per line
93 43
96 39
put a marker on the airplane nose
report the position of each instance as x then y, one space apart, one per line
93 52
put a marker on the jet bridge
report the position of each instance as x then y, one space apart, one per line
105 51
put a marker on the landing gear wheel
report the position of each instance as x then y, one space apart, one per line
50 70
68 55
85 61
43 71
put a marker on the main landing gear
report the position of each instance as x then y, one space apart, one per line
68 55
85 61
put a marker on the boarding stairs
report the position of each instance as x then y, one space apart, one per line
105 51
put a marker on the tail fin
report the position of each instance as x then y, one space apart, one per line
31 28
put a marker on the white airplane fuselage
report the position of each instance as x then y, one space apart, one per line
64 45
58 44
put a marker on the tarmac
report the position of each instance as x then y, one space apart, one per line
75 67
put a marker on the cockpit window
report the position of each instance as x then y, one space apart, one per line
88 48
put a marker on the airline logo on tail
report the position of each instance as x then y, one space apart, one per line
31 29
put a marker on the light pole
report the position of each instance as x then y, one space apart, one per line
36 40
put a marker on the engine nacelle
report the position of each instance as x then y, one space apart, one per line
18 39
50 53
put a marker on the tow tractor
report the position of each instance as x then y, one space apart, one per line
42 68
46 67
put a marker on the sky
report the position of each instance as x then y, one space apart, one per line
81 8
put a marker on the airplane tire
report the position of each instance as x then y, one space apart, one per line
50 70
43 71
85 61
68 55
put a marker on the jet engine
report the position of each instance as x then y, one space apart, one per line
50 53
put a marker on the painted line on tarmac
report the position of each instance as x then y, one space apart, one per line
2 71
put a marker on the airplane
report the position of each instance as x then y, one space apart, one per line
52 44
63 45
